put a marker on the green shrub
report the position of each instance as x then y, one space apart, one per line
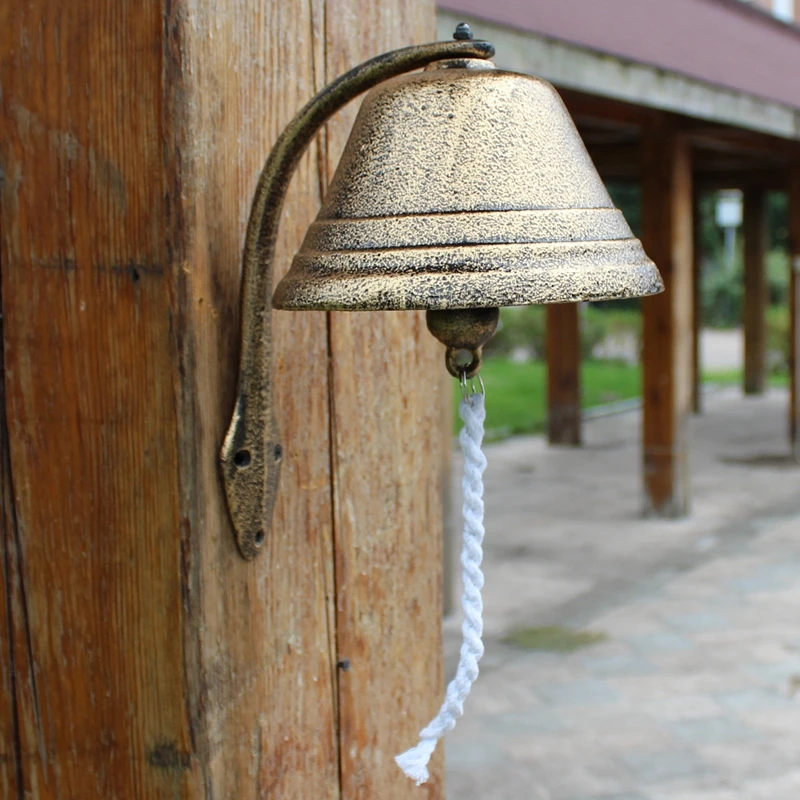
778 339
594 331
778 277
520 327
722 294
723 289
526 328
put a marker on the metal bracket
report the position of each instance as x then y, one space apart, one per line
251 453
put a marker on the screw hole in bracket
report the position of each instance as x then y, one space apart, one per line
278 452
242 459
259 538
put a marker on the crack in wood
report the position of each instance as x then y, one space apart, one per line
9 520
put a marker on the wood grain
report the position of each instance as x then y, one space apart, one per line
754 228
143 658
388 487
563 374
93 551
258 635
667 323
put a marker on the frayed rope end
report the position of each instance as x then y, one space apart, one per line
414 762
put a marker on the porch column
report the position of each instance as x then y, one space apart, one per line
755 291
794 310
697 306
668 320
563 375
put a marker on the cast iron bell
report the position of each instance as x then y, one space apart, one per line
462 188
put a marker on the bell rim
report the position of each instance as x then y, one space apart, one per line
507 282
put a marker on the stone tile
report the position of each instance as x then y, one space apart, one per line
698 621
777 723
712 730
579 693
622 664
681 707
670 793
660 641
567 776
776 788
615 796
752 700
737 762
519 723
665 766
478 754
767 578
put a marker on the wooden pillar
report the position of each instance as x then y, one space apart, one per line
794 310
668 324
697 304
142 657
563 374
754 225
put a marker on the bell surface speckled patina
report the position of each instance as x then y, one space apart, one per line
460 187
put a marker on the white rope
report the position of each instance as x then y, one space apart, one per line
414 762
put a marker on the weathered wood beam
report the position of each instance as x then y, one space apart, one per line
604 110
754 229
563 374
725 139
616 162
668 320
717 176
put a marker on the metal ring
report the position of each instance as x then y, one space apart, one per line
468 387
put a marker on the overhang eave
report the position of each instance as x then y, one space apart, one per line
578 68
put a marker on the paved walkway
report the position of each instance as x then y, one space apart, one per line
695 692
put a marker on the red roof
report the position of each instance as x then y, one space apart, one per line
722 42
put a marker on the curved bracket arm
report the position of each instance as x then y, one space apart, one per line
251 453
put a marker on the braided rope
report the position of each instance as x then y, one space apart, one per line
414 762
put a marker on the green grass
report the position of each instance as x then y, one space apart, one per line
516 392
732 377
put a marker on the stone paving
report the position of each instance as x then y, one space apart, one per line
695 692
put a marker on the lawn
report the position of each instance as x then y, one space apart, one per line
516 391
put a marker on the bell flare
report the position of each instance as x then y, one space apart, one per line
437 278
459 188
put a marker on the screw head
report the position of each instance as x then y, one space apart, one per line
463 31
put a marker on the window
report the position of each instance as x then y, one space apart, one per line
783 9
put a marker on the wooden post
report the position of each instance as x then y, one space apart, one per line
794 310
668 324
755 291
563 374
142 656
697 305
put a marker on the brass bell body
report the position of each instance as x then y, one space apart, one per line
465 186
